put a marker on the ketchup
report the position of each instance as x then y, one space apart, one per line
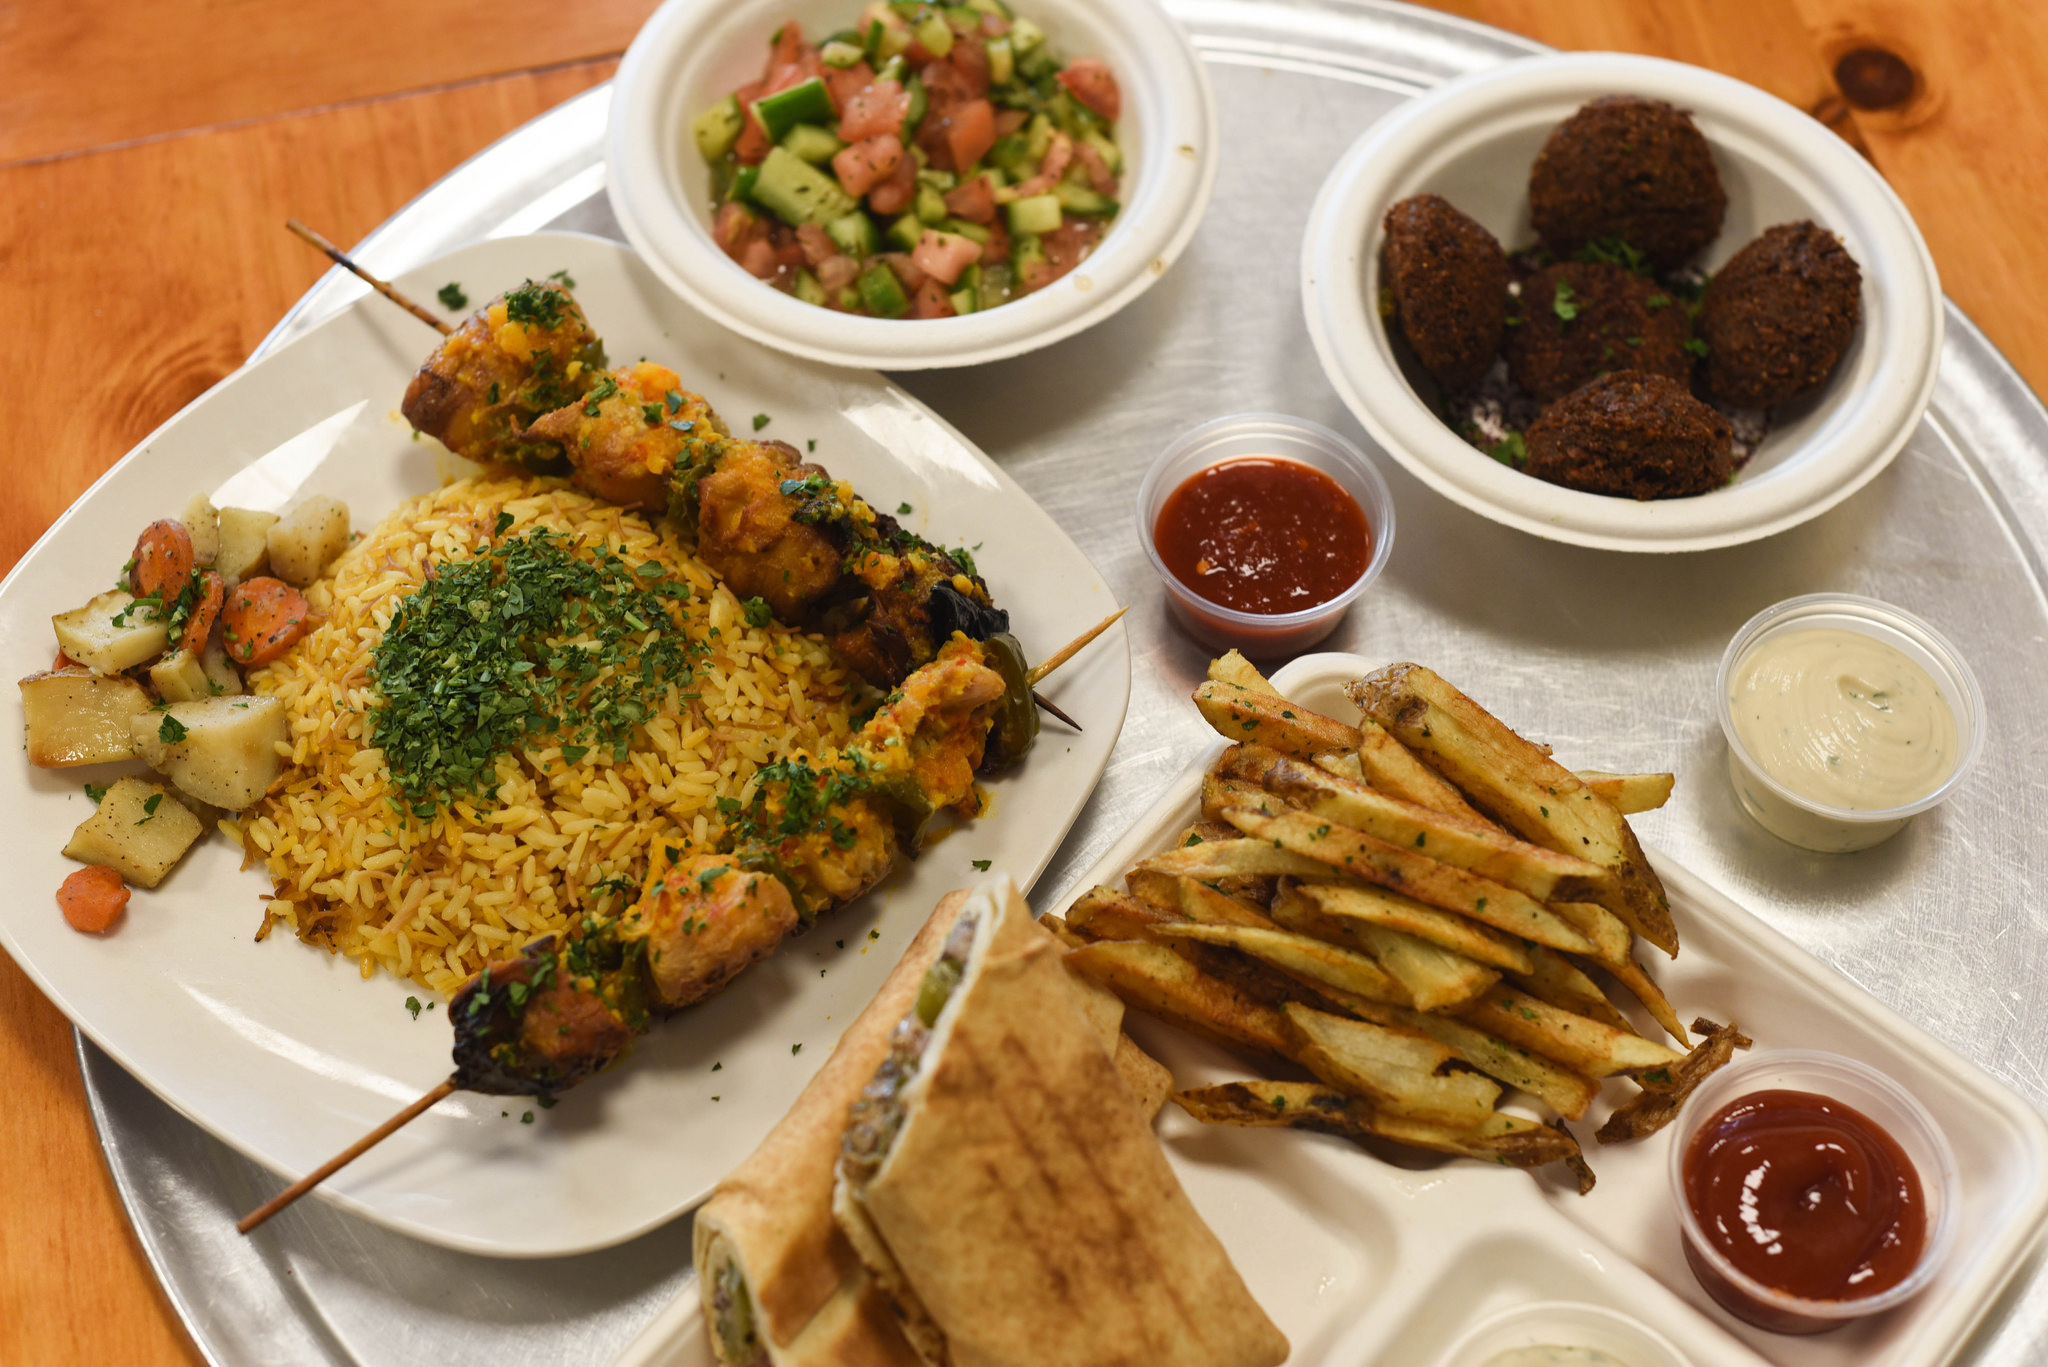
1807 1196
1263 534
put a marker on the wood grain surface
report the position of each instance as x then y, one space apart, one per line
149 153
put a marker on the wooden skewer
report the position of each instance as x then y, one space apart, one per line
447 1087
342 1159
342 259
1066 652
1041 700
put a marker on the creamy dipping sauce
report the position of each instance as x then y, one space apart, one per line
1553 1355
1843 719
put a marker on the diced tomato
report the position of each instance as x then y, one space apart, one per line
835 273
909 272
970 59
974 200
930 301
972 133
944 255
1065 248
736 228
868 162
894 195
945 85
848 82
994 26
1058 156
817 244
789 252
92 899
1099 176
787 46
875 110
1010 121
998 248
1090 81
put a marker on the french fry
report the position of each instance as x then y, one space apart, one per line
1630 974
1581 1044
1559 981
1233 668
1241 714
1161 983
1407 871
1307 957
1658 1103
1436 978
1395 1070
1485 849
1519 785
1607 933
1331 911
1392 768
1213 860
1564 1091
1504 1139
1220 794
1061 931
1106 914
1630 793
1193 900
1256 890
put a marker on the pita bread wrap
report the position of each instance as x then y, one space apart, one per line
767 1234
1002 1185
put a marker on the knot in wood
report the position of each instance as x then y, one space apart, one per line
1875 78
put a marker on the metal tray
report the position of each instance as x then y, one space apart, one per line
1611 658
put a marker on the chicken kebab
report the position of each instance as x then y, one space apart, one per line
523 382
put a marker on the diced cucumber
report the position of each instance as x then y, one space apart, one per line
849 299
804 102
934 32
839 55
871 41
1037 138
814 144
941 181
883 293
1035 214
912 10
905 233
1025 251
919 103
964 301
970 279
995 7
966 295
741 191
799 192
855 235
960 227
1105 147
931 205
995 285
1002 60
718 128
1084 202
894 42
1025 35
1038 66
808 289
1012 156
893 70
1073 117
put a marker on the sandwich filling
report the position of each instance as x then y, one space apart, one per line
732 1312
878 1116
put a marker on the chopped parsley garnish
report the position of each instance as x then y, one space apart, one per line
172 730
149 807
1510 450
1696 346
675 401
757 612
1613 251
526 643
537 304
795 1049
599 392
451 296
903 510
964 558
809 486
1657 301
982 864
97 792
412 1004
564 278
650 413
760 421
1564 302
526 1118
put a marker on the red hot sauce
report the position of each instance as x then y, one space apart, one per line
1264 535
1807 1196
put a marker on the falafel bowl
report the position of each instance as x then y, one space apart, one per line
1622 302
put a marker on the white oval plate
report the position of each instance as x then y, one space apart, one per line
691 53
1472 141
285 1052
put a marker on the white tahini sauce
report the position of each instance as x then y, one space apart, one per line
1553 1355
1843 719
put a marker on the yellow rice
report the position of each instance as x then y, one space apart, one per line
434 900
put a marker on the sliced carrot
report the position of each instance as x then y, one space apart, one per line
205 612
92 899
262 620
163 559
64 661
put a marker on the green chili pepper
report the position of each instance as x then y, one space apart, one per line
1016 720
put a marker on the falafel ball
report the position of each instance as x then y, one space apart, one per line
1449 280
1632 435
1582 319
1779 315
1628 169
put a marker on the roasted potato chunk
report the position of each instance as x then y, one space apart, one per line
75 716
140 830
222 751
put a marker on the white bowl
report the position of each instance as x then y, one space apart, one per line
1565 1324
1472 141
693 52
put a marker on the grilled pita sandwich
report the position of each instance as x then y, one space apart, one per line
1002 1185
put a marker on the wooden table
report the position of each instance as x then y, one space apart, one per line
149 154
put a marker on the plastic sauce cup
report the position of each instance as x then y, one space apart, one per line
1853 1084
1274 436
1816 825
